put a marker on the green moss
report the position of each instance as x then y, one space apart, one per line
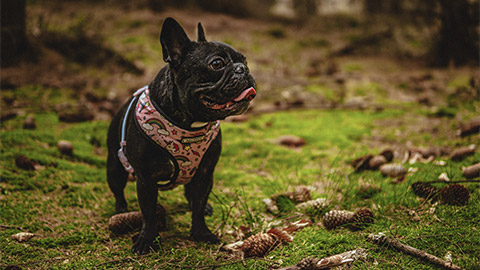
326 92
66 202
462 80
353 67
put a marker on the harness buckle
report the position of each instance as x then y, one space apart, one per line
123 158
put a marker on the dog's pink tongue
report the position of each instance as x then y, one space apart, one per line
249 94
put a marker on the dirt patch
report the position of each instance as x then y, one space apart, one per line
103 49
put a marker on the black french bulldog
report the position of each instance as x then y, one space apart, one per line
202 83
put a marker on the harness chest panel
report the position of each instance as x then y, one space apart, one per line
187 147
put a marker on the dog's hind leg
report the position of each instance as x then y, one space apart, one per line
117 180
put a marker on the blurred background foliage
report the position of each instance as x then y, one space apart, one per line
451 25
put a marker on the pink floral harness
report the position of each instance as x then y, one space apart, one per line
186 147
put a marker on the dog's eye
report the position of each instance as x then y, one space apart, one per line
217 64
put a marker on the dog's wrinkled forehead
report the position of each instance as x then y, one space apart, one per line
208 50
234 54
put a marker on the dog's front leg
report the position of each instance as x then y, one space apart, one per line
198 190
197 193
147 192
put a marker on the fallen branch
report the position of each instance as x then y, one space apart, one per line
11 227
381 239
328 262
454 182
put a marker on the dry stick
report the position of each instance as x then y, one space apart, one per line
380 239
328 262
11 227
454 182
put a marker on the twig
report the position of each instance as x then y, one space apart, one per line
328 262
454 182
11 227
381 239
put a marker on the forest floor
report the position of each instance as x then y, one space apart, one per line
317 81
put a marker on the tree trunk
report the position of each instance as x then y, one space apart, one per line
457 41
14 44
374 6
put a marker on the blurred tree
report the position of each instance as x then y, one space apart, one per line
305 8
245 8
457 41
378 6
159 5
13 39
373 6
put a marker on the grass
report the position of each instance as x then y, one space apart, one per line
66 203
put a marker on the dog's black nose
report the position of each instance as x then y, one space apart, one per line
240 68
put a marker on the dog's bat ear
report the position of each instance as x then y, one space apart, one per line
173 40
201 33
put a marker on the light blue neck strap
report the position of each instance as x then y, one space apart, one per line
121 152
124 122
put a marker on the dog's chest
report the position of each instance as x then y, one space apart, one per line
186 147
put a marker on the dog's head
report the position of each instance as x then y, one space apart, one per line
212 79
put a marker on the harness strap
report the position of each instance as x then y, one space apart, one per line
184 147
121 152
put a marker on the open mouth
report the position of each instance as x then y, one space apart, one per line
246 95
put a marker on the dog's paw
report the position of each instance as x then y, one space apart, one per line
120 208
205 236
145 243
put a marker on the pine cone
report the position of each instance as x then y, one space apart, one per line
393 170
25 163
424 190
366 191
131 221
361 219
259 244
454 194
361 163
307 263
125 222
471 171
462 152
388 154
336 218
317 204
301 194
29 122
376 161
282 234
